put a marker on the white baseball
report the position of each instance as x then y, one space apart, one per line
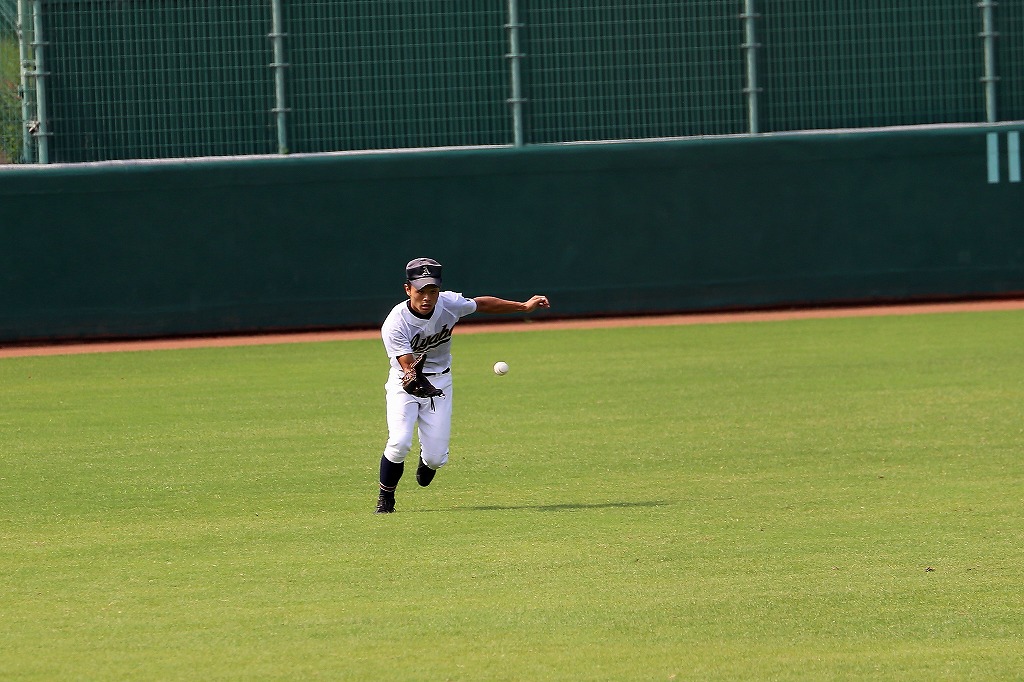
501 368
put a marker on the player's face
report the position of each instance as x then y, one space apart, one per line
423 300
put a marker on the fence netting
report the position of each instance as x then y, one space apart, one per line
11 134
92 80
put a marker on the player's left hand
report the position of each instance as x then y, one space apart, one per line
537 302
418 385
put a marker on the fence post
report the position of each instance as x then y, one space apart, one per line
277 36
750 47
989 35
515 56
42 126
26 94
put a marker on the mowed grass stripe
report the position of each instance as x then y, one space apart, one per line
787 500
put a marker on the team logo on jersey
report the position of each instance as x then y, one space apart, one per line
422 344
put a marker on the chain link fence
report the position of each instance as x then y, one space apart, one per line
93 80
11 142
862 64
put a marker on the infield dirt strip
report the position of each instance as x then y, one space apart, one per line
534 324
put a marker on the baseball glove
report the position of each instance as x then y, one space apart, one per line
418 385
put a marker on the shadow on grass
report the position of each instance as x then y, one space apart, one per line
563 507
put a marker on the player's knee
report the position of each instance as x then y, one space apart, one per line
434 461
396 450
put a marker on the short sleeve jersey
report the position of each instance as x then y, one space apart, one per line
405 333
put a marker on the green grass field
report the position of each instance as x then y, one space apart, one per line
805 500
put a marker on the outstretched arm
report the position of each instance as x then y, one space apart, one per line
490 304
407 362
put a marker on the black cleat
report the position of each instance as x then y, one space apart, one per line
424 474
385 505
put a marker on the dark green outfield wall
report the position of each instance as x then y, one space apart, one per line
318 242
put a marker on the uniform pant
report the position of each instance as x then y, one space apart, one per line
406 413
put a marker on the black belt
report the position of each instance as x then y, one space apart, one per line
436 374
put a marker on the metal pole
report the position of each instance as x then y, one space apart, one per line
26 107
42 132
515 56
280 111
751 46
989 35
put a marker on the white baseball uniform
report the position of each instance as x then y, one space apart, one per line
404 332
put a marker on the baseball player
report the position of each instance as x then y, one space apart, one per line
417 336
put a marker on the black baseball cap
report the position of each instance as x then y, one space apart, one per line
421 272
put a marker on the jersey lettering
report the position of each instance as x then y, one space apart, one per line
420 345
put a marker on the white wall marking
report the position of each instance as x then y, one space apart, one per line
1013 150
